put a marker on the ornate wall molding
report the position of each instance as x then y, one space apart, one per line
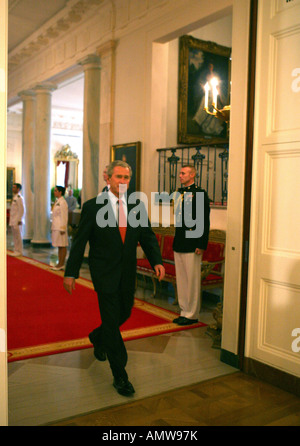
78 30
58 25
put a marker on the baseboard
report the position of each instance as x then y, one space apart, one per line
229 358
278 378
41 245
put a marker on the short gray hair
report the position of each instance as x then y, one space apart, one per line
117 163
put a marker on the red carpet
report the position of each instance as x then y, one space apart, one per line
43 319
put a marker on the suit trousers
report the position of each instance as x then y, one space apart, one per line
188 280
115 309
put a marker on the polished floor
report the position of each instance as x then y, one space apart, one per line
52 388
230 400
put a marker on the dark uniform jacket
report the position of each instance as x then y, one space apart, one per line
187 203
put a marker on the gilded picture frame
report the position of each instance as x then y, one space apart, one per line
198 61
131 154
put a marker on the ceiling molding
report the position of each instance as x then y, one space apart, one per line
61 23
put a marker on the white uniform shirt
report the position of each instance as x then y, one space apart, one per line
60 215
17 210
113 200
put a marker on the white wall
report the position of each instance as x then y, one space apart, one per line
130 89
152 68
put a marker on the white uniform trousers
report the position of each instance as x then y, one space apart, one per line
188 280
17 239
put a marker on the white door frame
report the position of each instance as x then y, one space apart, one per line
3 101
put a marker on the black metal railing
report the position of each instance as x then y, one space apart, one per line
210 162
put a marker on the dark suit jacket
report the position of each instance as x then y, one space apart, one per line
112 263
181 242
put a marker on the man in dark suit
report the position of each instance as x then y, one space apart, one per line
190 241
112 264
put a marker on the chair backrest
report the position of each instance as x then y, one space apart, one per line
159 237
217 235
167 248
214 253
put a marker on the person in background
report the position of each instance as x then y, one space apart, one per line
105 178
188 251
16 218
71 200
59 227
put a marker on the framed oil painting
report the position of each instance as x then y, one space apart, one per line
199 63
130 153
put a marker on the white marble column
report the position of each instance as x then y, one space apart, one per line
91 119
107 98
41 231
28 149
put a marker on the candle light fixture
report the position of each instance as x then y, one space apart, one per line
211 101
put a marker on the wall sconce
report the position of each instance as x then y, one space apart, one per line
224 113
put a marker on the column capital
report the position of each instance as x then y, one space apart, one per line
90 61
27 94
45 87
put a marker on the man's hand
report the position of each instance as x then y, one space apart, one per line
69 284
160 272
199 252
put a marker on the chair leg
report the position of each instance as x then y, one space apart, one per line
176 294
154 287
144 287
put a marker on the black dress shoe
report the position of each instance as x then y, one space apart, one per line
178 319
186 321
98 353
123 386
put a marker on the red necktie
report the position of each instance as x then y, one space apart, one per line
122 221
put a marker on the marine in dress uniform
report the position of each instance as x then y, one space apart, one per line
188 251
16 219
